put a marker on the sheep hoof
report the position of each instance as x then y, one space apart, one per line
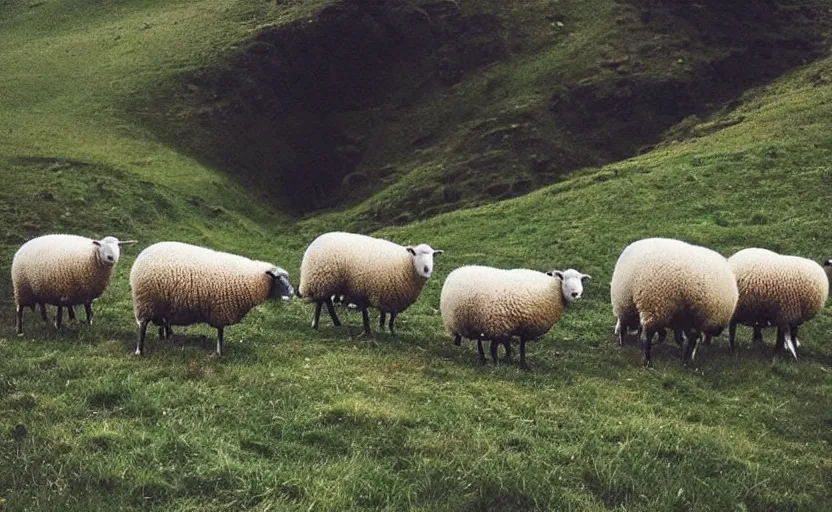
137 353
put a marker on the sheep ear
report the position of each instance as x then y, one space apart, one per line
411 250
438 252
127 242
273 273
585 276
828 263
555 273
96 243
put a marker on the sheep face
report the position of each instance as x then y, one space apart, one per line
281 287
422 256
108 250
572 283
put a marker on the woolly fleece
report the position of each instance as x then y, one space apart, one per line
492 303
59 270
370 271
188 284
777 289
672 284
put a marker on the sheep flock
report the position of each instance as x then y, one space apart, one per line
658 285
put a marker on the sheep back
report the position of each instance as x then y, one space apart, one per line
58 270
487 302
370 271
777 289
187 284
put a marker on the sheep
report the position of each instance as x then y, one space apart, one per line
63 270
365 271
175 283
777 290
486 303
660 283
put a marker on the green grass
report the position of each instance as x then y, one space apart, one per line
294 419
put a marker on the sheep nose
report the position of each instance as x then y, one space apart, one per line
427 270
574 295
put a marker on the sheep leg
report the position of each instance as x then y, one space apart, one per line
71 311
457 340
480 351
365 317
620 333
59 317
19 320
43 312
507 344
162 331
168 330
317 315
646 341
522 353
392 324
679 337
732 333
494 344
142 334
382 316
331 309
663 335
789 340
781 340
758 333
220 330
689 349
88 311
793 329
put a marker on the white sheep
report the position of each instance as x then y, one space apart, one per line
777 290
365 271
660 283
181 284
62 270
486 303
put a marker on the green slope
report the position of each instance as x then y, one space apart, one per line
292 419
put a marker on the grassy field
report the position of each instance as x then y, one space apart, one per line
296 419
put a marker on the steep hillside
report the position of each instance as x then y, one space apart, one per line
419 106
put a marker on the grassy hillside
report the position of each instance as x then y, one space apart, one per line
293 419
408 108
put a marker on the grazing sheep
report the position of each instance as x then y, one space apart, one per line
62 270
485 303
365 271
777 290
180 284
660 283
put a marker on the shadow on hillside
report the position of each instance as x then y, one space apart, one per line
298 109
